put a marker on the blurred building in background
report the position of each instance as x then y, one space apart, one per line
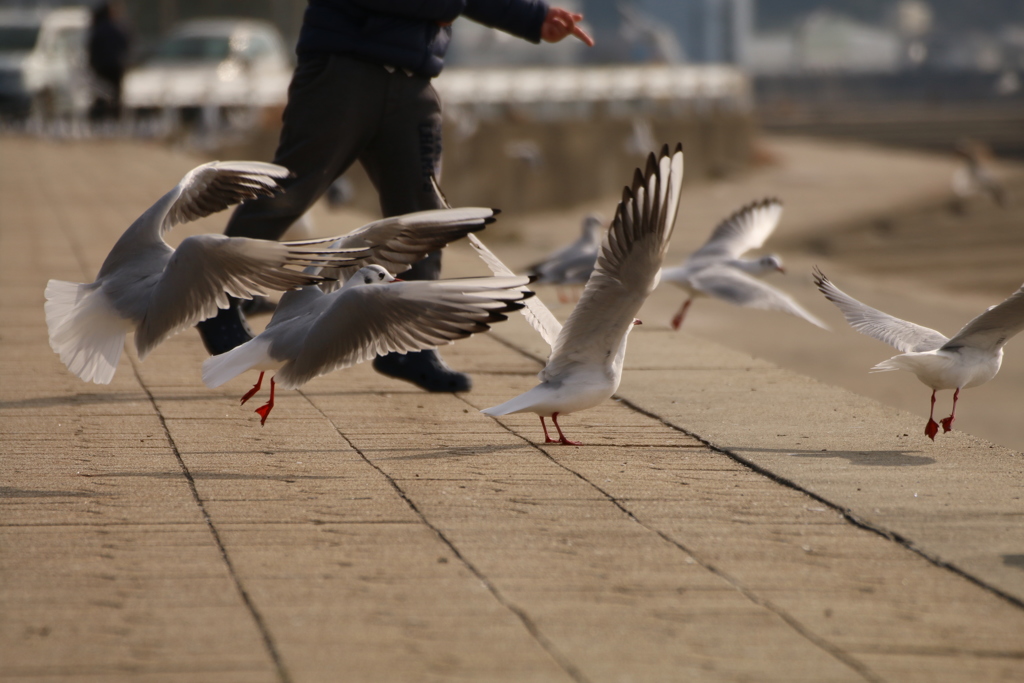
913 72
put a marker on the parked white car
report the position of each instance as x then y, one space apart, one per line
43 62
227 64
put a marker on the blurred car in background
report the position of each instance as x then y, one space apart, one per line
231 66
43 63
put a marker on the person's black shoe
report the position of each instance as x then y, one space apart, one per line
258 305
224 331
425 369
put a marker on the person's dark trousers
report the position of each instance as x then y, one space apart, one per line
341 110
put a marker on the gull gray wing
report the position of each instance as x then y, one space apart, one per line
204 190
904 336
397 242
217 185
537 314
363 322
994 327
736 287
746 229
627 267
205 269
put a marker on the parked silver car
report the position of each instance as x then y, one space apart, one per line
227 64
43 63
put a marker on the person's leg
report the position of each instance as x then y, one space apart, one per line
402 160
333 105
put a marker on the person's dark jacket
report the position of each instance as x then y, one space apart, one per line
409 34
107 46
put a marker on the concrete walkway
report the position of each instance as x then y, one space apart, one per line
726 521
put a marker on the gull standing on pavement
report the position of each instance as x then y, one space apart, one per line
585 365
313 333
150 288
717 270
969 358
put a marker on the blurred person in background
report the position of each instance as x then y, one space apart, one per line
362 92
108 58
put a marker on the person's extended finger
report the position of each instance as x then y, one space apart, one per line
582 35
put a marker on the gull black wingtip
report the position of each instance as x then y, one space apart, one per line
819 277
652 165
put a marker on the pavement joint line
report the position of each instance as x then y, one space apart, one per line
261 625
849 515
523 617
833 650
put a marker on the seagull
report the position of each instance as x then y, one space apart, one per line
146 286
717 270
969 358
572 265
585 365
975 176
374 313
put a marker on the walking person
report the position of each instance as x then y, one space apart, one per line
362 92
108 58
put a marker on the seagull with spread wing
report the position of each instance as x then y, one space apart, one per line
148 287
717 269
969 358
313 333
585 365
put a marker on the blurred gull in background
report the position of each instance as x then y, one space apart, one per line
717 270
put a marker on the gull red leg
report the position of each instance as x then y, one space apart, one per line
932 428
252 392
265 409
677 320
543 425
947 422
562 439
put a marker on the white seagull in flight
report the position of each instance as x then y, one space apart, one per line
969 358
374 313
716 269
146 286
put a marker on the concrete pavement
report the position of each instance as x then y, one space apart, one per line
726 521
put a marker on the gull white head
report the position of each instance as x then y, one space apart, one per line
769 263
593 226
370 275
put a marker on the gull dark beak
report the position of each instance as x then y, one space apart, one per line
638 321
781 270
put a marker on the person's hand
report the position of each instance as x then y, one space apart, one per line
560 23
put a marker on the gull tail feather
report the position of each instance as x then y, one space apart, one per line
219 369
513 405
894 363
85 330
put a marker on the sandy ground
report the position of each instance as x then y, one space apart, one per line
877 222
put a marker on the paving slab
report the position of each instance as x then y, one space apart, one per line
727 520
